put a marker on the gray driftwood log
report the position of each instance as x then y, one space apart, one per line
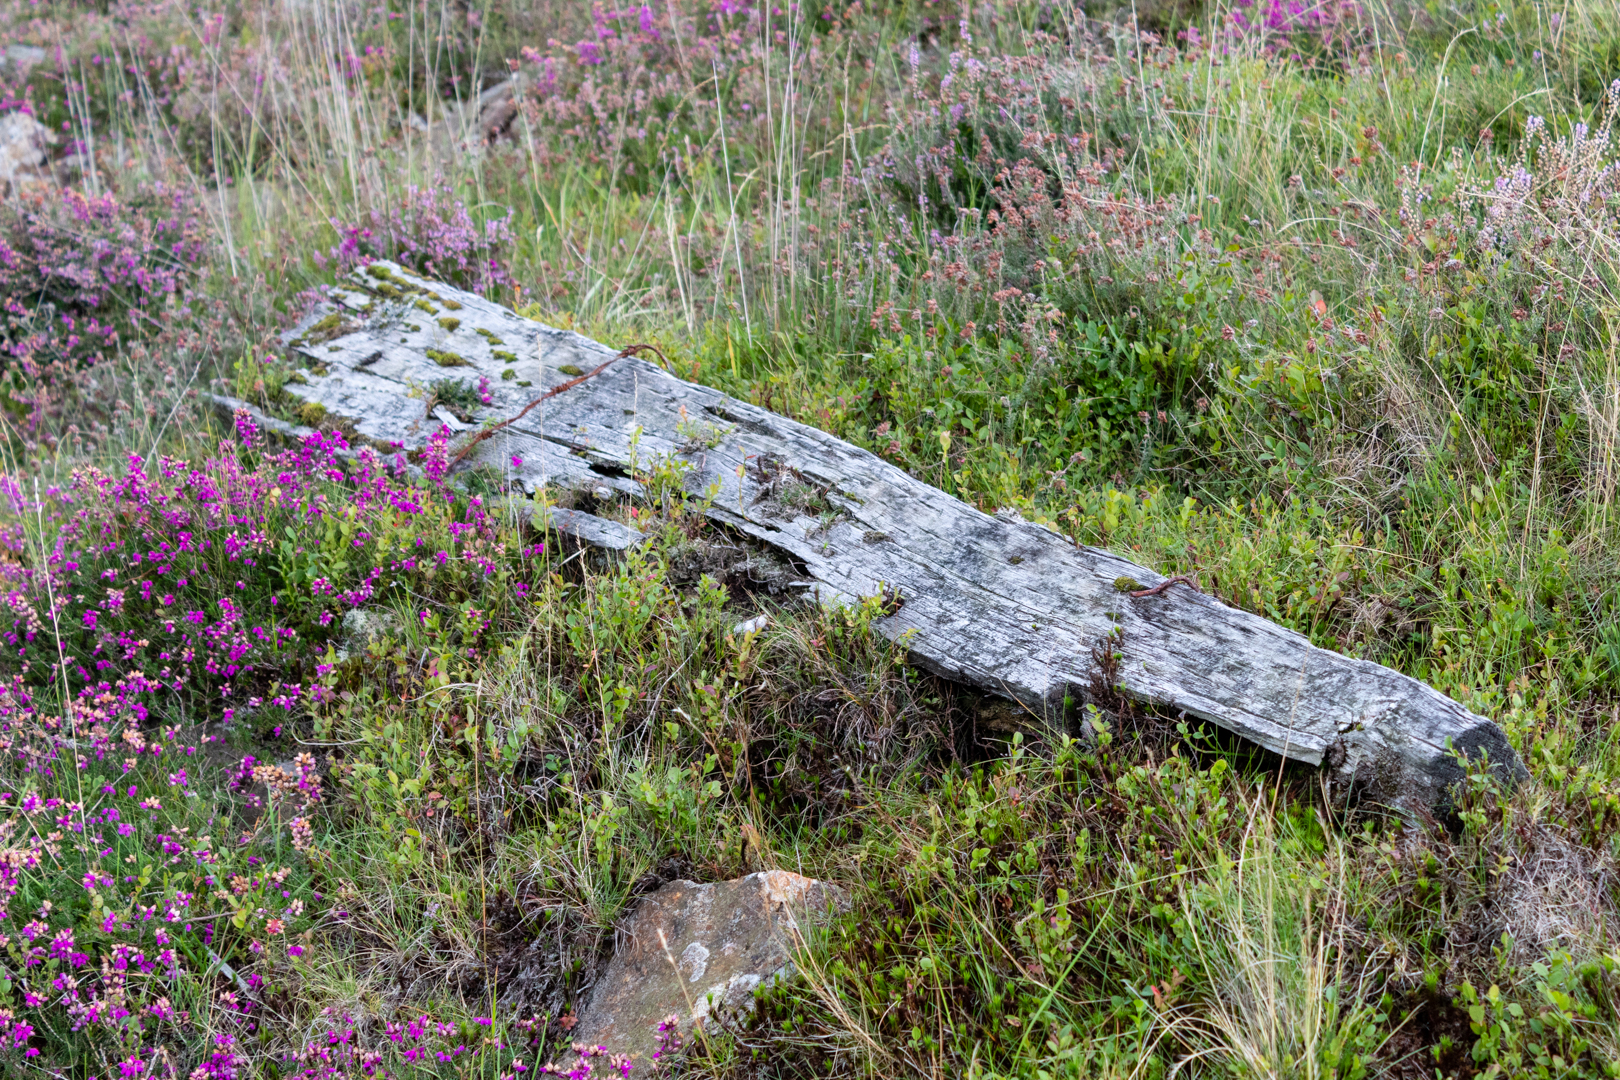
994 602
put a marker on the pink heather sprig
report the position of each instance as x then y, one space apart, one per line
436 455
669 1039
15 1035
246 430
586 1059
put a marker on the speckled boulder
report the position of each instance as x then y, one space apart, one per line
700 951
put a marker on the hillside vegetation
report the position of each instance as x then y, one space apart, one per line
320 767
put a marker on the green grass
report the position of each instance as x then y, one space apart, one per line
1227 354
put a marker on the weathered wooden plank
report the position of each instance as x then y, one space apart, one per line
596 532
993 602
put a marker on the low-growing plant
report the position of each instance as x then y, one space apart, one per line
226 579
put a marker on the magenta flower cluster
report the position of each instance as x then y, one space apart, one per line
607 24
217 583
1286 24
126 902
414 1046
143 608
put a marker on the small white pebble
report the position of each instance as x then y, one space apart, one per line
751 626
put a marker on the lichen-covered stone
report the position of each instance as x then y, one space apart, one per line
24 153
700 952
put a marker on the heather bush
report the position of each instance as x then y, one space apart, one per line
141 923
226 578
434 234
83 275
192 86
168 601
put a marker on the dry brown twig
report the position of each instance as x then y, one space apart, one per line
1165 584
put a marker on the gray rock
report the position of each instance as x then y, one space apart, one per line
361 627
755 625
700 952
464 130
24 153
20 59
492 114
